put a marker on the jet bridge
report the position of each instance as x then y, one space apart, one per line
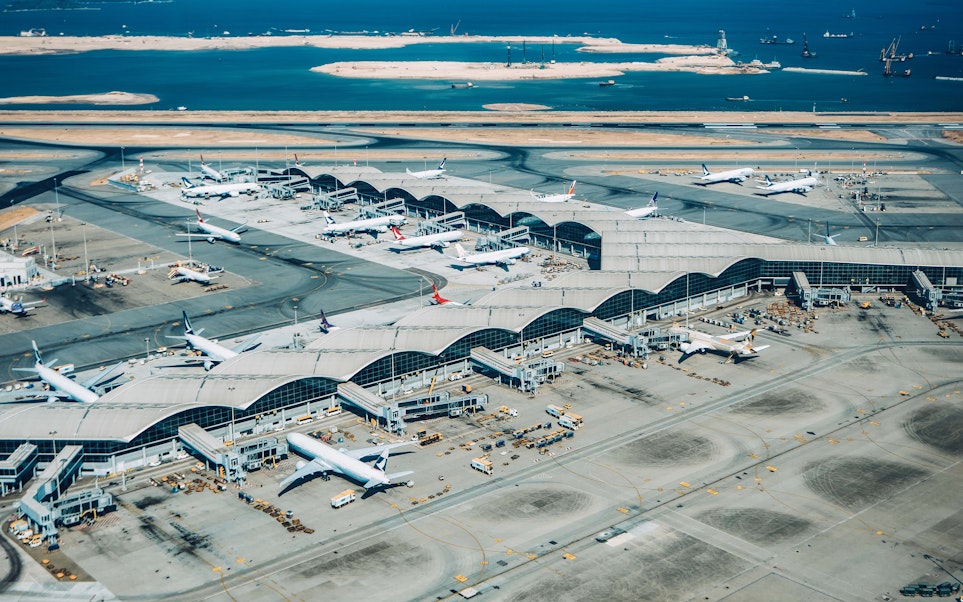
18 467
617 335
442 223
441 403
212 450
388 208
526 377
45 505
925 292
334 200
355 395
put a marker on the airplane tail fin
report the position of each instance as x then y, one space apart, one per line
705 170
297 163
188 329
327 218
325 325
768 181
571 189
655 200
199 218
187 183
36 353
752 335
202 160
442 164
397 233
437 296
461 250
382 462
408 171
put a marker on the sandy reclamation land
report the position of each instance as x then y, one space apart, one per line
472 72
70 44
106 98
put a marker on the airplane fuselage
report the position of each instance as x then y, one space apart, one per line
215 351
441 239
61 383
218 233
503 257
800 185
221 190
189 274
373 224
732 175
339 462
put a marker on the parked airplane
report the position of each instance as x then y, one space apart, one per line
214 352
326 326
736 176
192 190
438 299
186 273
210 172
211 233
555 198
504 257
371 224
440 240
63 387
800 186
648 211
829 240
429 174
18 307
348 463
737 345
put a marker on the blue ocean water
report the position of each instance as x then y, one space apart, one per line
280 78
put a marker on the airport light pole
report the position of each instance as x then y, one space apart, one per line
876 240
86 260
123 165
147 345
295 315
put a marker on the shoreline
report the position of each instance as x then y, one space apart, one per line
17 45
107 116
106 98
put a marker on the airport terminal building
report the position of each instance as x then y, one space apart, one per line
640 272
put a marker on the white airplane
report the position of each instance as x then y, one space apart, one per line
212 233
736 176
214 352
648 211
18 307
736 345
800 186
63 387
429 174
504 257
348 463
210 172
185 273
371 224
234 189
441 240
555 198
438 299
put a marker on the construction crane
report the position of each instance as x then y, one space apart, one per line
454 27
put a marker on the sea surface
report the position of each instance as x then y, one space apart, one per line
280 78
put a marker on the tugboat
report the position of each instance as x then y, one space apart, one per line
806 54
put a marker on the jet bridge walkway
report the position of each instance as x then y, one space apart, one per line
355 395
212 450
526 377
46 505
615 334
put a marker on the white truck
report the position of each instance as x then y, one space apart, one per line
482 465
555 411
569 423
343 499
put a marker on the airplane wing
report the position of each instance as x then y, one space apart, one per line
248 344
312 467
736 336
99 378
196 235
697 345
370 452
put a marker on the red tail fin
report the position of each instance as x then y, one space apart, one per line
397 233
198 212
571 189
437 296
